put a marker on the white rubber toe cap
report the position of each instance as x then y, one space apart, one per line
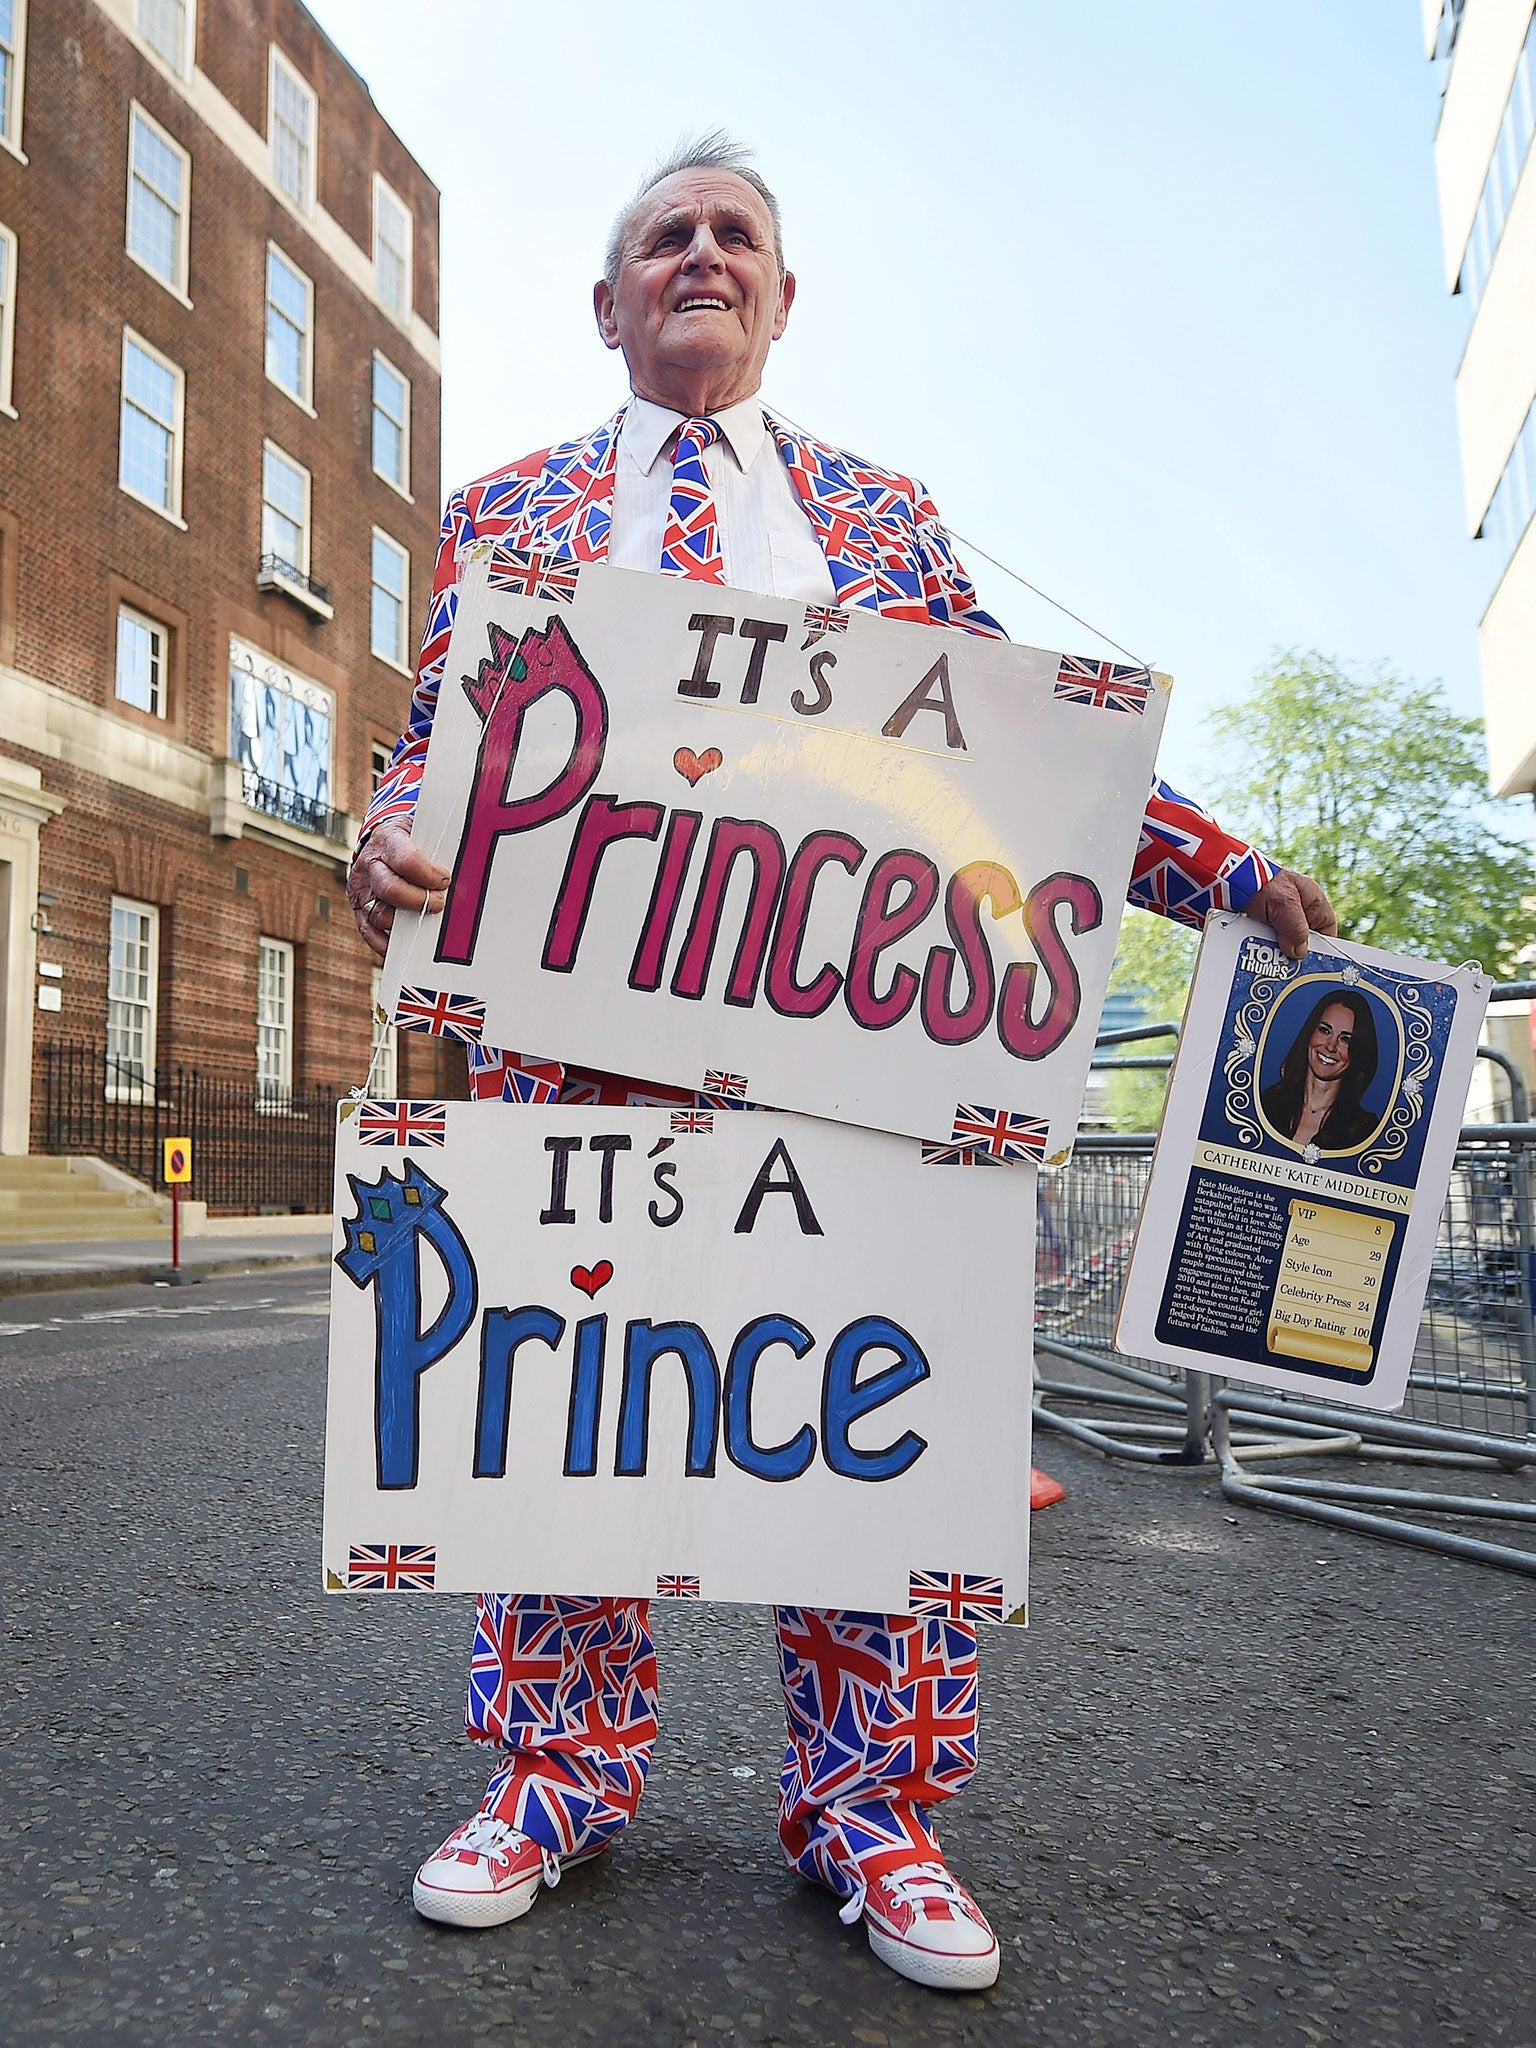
952 1968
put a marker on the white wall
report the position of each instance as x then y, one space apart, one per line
1491 34
1507 642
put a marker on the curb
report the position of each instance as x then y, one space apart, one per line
54 1279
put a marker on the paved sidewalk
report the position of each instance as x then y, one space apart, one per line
32 1268
1245 1783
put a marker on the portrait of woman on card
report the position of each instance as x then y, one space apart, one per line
1316 1101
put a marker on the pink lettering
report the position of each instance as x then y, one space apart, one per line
602 823
513 677
982 881
878 927
656 933
730 838
1032 1041
788 996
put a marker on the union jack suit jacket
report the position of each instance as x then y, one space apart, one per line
887 552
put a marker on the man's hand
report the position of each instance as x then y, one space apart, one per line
1294 905
390 873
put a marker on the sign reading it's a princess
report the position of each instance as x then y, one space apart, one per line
871 871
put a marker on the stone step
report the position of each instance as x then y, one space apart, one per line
90 1230
50 1198
33 1172
60 1201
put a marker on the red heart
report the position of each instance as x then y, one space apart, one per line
589 1280
692 765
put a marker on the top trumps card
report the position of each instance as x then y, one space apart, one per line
1302 1165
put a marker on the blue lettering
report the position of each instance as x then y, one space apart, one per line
644 1343
844 1398
783 1461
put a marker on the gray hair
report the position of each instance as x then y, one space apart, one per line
713 152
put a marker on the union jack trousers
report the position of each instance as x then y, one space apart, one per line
881 1711
881 1708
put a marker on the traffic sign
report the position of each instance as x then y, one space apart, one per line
178 1161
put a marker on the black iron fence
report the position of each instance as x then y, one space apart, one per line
253 1152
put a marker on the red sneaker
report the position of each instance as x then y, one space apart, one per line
926 1927
486 1873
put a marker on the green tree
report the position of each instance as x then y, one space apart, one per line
1153 962
1371 783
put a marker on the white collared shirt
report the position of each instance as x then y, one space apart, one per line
766 540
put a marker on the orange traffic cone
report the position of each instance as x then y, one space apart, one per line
1044 1491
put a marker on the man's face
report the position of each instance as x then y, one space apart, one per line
699 297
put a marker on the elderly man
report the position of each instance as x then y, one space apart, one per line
694 478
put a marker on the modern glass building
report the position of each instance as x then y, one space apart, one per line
1486 52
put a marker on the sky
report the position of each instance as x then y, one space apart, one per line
1151 297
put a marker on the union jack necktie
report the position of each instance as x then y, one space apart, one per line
692 543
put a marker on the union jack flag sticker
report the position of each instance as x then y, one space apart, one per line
531 575
692 1122
957 1596
958 1155
521 1086
677 1586
718 1082
402 1123
440 1012
392 1567
821 619
1106 685
1000 1133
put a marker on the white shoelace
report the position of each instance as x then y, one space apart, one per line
909 1887
487 1836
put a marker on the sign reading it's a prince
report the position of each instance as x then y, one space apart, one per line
675 1354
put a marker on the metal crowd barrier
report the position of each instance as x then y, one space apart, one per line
1471 1402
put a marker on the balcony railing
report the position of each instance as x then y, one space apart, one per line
276 800
274 573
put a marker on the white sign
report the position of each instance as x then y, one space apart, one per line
812 857
676 1353
1302 1166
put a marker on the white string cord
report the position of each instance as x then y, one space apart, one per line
1034 589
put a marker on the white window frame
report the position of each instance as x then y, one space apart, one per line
133 339
386 197
8 252
403 486
117 1088
10 113
160 692
274 1091
304 399
276 62
177 285
400 658
181 64
384 1049
270 447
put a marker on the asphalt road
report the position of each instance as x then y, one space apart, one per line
1244 1781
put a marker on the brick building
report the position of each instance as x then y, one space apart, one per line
219 411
